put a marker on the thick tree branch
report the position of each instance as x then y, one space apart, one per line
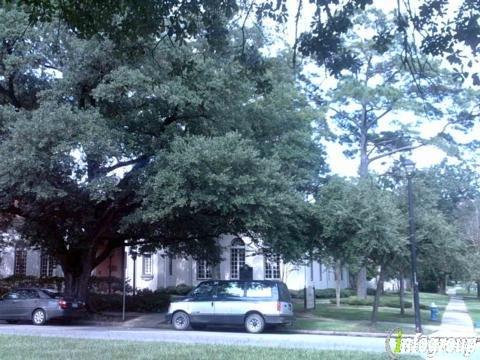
295 44
410 147
402 149
124 163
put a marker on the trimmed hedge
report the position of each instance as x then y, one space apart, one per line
371 291
17 281
331 293
323 293
385 302
180 289
144 301
100 284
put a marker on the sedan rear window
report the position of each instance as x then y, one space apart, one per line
52 294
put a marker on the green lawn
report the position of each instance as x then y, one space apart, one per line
357 318
33 348
473 306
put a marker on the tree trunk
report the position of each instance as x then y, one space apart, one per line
441 287
478 289
76 284
378 292
402 295
362 283
363 172
77 269
338 277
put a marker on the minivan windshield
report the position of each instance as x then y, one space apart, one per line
204 289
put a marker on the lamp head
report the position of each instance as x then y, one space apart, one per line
408 165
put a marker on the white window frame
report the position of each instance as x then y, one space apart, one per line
20 261
272 267
204 270
47 265
237 257
147 265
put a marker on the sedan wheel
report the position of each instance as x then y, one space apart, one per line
181 321
39 317
254 323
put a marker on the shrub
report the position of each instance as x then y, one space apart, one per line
297 294
183 289
180 289
371 291
17 281
101 284
331 293
144 301
353 301
386 302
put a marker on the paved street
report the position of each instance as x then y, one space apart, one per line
202 337
455 322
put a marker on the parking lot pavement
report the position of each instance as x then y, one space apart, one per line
230 337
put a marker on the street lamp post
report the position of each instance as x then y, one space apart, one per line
133 254
410 170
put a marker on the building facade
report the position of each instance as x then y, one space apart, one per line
22 261
158 270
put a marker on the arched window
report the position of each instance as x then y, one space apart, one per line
237 257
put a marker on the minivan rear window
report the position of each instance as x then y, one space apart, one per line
284 293
259 289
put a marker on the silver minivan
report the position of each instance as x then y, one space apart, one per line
254 304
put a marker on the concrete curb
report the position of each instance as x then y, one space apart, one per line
159 326
334 333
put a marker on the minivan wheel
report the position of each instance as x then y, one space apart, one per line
39 317
254 323
181 320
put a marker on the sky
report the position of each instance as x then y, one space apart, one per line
423 157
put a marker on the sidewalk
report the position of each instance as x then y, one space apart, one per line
456 322
132 320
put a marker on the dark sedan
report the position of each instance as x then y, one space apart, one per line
37 306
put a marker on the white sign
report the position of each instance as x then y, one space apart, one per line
310 297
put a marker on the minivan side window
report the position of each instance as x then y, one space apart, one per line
230 289
259 289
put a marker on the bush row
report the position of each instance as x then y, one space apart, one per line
180 289
323 293
143 301
16 281
389 302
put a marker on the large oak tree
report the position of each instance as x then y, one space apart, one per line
105 145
